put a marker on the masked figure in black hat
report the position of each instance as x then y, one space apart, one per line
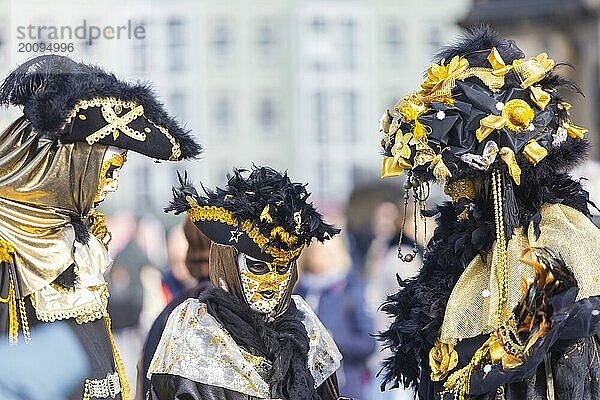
506 304
57 163
248 337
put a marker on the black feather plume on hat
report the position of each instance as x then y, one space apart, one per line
249 193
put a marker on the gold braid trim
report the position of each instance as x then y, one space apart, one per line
224 216
13 320
138 111
285 237
7 251
502 266
99 228
125 388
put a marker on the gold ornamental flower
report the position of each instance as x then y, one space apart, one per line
443 358
437 75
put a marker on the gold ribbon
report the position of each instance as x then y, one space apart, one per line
443 358
120 367
393 166
534 152
265 216
439 75
574 131
533 70
539 96
116 124
7 251
99 228
489 124
497 63
508 156
516 116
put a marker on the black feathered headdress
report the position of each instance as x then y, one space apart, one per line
481 104
261 212
75 102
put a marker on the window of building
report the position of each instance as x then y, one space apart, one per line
434 39
139 52
267 115
320 116
318 24
223 115
178 105
221 39
176 44
266 39
348 44
392 41
350 110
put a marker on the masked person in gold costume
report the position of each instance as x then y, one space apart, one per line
506 304
58 161
248 337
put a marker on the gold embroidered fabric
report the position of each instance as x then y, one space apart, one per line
471 309
195 346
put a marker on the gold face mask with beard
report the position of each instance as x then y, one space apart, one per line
264 284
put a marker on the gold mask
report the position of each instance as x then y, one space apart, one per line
264 284
110 173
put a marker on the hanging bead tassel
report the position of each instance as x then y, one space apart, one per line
501 250
420 195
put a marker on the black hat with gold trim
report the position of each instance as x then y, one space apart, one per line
75 102
260 212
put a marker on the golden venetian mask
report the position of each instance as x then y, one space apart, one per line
264 284
110 173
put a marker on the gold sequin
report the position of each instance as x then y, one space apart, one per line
220 214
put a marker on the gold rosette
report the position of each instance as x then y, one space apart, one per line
443 358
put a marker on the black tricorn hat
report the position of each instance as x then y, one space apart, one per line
75 102
482 103
260 212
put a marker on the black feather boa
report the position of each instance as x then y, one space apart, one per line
418 308
283 341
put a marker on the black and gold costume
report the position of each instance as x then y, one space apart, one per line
248 337
57 163
507 302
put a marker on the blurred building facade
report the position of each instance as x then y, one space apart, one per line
295 84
